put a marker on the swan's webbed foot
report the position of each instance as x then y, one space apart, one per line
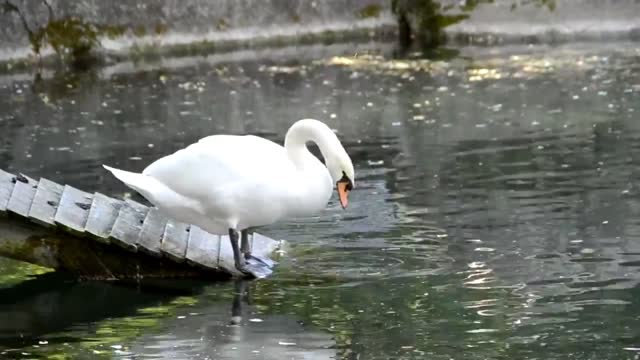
245 249
255 270
244 261
260 261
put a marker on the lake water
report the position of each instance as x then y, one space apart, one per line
496 214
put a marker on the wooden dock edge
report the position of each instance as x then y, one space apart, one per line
98 237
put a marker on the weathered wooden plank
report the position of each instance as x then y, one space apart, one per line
7 183
22 195
150 239
73 209
175 240
45 202
128 224
203 248
102 215
225 258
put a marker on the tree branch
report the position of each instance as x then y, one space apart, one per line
10 7
49 8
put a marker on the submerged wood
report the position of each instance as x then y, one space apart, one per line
97 237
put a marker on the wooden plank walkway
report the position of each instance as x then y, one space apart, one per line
22 195
102 216
7 182
203 248
175 240
45 202
127 224
73 210
150 239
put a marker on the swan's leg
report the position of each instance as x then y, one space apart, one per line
244 244
255 270
237 257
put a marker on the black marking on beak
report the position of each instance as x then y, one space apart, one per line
346 179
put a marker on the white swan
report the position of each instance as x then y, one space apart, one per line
227 183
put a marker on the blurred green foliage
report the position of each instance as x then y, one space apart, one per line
370 11
72 38
425 20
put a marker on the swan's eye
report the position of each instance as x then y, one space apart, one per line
345 179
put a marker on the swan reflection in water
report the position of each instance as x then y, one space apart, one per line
161 319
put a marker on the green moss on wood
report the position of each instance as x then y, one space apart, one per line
14 272
370 11
86 258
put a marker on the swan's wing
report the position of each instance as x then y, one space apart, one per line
218 166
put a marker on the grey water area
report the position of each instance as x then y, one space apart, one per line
495 214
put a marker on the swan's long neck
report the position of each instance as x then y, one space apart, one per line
304 131
314 183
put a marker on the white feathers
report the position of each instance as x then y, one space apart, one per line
226 181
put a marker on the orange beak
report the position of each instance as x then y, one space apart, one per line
343 192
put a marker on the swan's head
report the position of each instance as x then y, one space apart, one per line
341 170
335 156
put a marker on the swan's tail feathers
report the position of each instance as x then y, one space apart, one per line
145 185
